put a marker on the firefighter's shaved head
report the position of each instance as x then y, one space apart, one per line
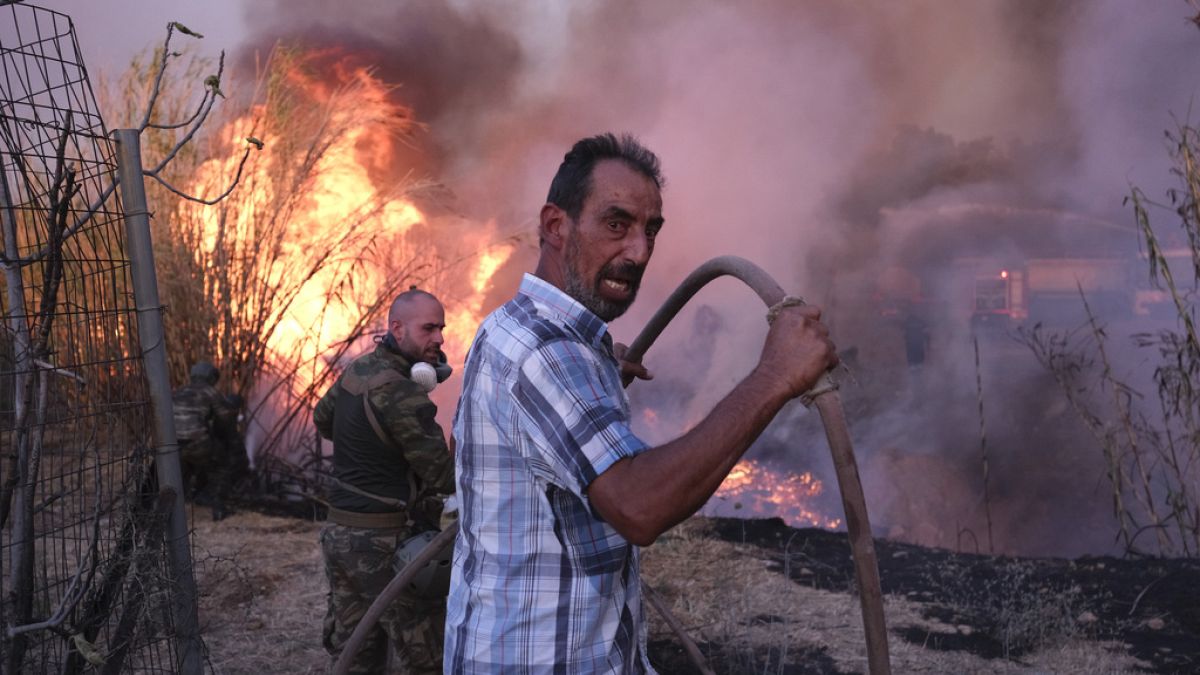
406 303
415 321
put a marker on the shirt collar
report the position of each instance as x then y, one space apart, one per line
560 307
399 361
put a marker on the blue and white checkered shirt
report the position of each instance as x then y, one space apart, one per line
540 583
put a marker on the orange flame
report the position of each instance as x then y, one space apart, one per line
753 489
343 190
464 314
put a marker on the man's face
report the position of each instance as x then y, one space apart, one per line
607 249
418 329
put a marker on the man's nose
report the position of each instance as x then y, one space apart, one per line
638 247
438 338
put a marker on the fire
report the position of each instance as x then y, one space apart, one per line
323 243
489 262
751 488
465 313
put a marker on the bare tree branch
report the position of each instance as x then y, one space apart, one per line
76 588
200 200
210 95
194 122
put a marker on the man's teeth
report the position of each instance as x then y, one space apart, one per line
616 285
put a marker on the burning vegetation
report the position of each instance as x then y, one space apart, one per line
753 490
287 277
919 221
928 238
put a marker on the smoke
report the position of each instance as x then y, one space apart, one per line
859 152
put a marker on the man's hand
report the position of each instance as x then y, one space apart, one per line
798 349
647 494
629 369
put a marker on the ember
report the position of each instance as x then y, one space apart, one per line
752 489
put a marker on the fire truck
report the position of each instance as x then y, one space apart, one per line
1003 294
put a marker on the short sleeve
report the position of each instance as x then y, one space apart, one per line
578 420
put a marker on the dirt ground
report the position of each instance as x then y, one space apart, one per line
760 597
262 593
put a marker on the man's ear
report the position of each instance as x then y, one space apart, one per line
396 328
552 227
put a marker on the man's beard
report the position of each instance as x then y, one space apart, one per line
410 350
589 295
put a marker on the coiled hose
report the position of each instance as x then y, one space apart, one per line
829 405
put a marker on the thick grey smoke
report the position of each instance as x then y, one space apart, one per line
854 150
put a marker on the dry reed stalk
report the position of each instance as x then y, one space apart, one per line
233 277
983 454
1153 466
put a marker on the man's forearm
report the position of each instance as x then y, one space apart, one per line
646 495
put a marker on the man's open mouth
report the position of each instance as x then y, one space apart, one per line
618 285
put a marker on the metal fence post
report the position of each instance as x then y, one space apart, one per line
154 356
20 572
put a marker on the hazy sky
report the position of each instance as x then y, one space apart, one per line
110 32
826 141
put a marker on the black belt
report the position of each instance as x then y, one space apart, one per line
368 520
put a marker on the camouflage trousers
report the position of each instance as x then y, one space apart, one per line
205 467
358 565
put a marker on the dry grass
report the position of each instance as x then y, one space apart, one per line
731 595
263 596
262 593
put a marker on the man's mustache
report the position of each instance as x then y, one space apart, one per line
630 272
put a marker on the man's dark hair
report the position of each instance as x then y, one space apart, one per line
203 371
573 182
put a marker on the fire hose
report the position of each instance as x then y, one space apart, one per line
824 395
828 403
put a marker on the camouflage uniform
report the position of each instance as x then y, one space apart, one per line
205 435
373 477
237 465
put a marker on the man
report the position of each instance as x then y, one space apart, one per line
390 460
205 437
237 461
555 491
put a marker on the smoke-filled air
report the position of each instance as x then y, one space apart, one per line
307 307
939 177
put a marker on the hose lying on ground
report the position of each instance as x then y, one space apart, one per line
446 538
829 405
689 645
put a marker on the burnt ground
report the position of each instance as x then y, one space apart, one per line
1001 609
762 598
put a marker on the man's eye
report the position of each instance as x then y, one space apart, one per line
652 232
616 225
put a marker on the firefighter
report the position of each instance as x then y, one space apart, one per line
204 434
230 420
390 460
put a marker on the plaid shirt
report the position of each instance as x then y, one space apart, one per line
540 583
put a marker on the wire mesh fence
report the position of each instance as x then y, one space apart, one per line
83 567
